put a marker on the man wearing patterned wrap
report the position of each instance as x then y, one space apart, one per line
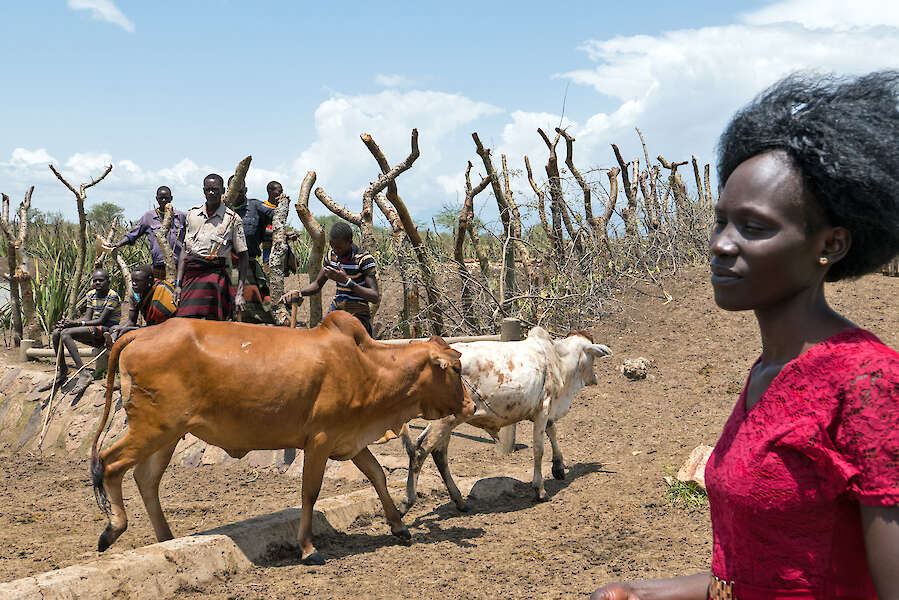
803 484
211 231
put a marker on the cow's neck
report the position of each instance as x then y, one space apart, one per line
569 354
396 374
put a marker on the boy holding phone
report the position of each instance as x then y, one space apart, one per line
354 272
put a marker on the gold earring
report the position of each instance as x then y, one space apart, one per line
823 260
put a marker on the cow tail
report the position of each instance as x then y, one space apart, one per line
97 467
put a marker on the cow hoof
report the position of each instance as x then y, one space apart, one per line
463 507
542 497
105 542
559 471
403 534
313 559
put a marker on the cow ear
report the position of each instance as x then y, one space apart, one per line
598 350
441 361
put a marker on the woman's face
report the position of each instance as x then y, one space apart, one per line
761 253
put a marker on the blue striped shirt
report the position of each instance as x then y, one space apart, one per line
358 265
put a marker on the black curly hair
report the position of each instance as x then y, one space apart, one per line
842 135
341 230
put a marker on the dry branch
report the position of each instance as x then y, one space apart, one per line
435 308
338 209
505 216
465 219
541 203
515 223
80 197
653 210
104 242
585 188
162 239
276 259
237 183
473 233
6 228
676 186
317 245
610 209
629 213
411 327
700 189
555 190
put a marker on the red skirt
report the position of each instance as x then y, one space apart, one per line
206 291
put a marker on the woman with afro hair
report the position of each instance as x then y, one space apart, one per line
803 483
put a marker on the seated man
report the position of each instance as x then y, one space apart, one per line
352 270
153 299
102 313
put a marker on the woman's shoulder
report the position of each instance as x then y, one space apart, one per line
855 361
859 348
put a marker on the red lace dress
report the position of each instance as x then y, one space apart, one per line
786 478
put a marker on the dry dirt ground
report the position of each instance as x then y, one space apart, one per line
608 520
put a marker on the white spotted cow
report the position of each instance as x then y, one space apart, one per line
535 379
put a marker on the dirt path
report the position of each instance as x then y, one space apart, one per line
608 520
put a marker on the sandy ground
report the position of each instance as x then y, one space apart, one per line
608 520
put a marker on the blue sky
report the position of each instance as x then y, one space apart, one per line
168 91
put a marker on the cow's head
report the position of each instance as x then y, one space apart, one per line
442 391
587 351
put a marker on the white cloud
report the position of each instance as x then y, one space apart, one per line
22 157
520 137
343 164
681 87
129 185
827 14
392 80
104 10
83 163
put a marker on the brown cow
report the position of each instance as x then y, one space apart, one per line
331 391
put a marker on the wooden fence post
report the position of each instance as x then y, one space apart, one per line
510 331
24 347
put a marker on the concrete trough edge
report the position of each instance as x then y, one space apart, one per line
160 570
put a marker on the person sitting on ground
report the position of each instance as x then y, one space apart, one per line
803 483
153 299
354 272
211 231
103 311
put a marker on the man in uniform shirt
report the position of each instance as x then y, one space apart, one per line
211 232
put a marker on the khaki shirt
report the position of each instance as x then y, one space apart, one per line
212 236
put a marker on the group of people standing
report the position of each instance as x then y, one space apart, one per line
219 275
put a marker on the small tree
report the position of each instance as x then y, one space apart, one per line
103 214
21 295
80 197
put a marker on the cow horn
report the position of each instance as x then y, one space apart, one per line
598 350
